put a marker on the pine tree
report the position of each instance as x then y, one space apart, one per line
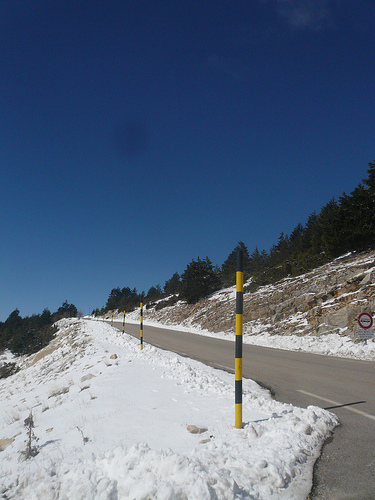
368 220
114 299
330 227
370 181
65 311
296 238
154 293
199 280
172 286
228 268
257 261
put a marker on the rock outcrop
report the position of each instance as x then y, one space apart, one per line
325 300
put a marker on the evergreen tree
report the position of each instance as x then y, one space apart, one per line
228 268
154 293
257 261
296 239
26 335
329 224
358 212
46 317
114 299
368 213
65 311
10 328
199 280
124 299
370 180
311 236
279 252
172 286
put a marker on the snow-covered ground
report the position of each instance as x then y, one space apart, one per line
111 422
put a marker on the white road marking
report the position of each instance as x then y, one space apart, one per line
350 408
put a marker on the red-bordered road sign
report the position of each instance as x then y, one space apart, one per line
365 320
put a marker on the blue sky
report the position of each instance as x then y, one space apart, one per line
139 135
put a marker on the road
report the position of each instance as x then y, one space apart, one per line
346 468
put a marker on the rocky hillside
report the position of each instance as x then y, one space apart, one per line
326 300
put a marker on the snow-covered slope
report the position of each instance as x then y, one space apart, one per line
111 422
315 312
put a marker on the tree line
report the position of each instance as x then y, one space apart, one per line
341 226
32 333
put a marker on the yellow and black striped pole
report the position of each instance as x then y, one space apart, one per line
238 353
112 320
123 324
141 322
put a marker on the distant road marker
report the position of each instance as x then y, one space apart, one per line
350 408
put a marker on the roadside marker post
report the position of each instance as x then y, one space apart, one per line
238 346
112 320
141 322
123 324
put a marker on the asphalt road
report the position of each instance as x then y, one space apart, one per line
346 468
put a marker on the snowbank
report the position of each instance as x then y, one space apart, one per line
111 423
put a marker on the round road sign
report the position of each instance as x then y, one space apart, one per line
365 320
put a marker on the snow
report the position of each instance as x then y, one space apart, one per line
111 423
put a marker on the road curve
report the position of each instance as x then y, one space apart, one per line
346 469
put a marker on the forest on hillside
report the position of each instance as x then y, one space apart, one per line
341 226
32 333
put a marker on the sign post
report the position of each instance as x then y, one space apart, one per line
365 322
